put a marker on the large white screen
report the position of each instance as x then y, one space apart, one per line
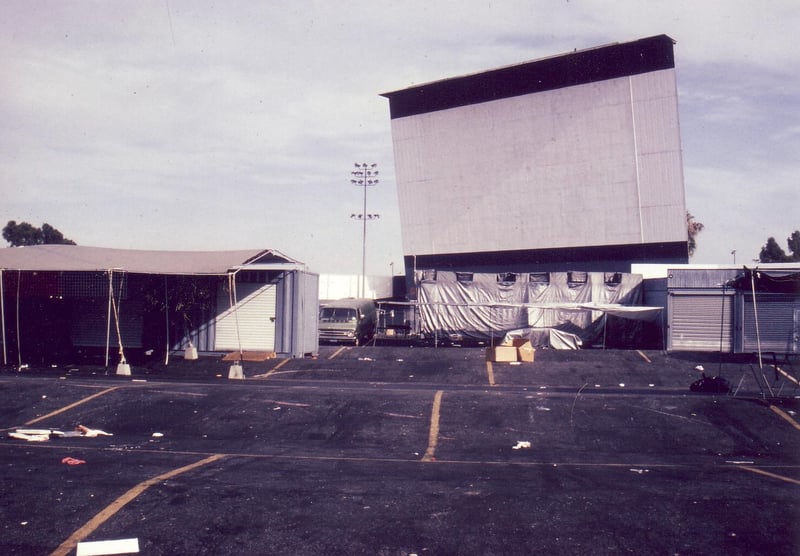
589 165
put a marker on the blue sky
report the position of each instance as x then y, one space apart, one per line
183 124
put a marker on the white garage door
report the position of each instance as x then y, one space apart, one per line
253 317
701 322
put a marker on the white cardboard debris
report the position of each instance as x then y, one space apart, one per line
102 548
92 433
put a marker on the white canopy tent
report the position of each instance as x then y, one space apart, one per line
32 260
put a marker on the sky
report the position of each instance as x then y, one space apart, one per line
199 125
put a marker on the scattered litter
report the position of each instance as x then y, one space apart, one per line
24 523
514 363
157 434
651 385
34 431
91 433
366 359
72 461
622 385
739 462
521 444
640 471
542 387
44 396
101 548
597 386
543 408
30 437
67 434
43 435
277 408
399 360
699 369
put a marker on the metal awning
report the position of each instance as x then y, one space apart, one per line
77 258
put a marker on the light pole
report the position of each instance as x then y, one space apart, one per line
364 175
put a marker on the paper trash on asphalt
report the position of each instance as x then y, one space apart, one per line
29 437
521 444
102 548
43 435
91 433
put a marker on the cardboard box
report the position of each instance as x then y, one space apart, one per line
501 354
525 351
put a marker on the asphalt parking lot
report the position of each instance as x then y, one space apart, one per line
399 451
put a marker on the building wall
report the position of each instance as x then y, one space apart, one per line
589 171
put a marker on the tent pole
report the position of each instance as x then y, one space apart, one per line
19 340
3 317
758 333
166 318
755 314
108 316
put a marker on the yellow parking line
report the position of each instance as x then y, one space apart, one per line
785 416
768 474
490 372
273 369
68 545
786 375
643 356
70 406
337 352
433 434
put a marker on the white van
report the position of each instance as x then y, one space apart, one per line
348 320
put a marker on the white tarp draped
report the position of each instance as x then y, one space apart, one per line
483 307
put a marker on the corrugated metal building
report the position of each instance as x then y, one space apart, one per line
60 301
566 163
729 309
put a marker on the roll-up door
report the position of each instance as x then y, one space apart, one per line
700 322
775 324
254 318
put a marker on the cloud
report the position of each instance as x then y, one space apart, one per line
193 125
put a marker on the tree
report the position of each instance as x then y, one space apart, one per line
773 253
693 228
793 241
23 234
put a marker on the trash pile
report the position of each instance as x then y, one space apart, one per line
43 435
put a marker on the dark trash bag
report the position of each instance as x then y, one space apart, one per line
711 384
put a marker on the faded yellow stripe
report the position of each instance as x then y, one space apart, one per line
490 372
72 542
337 352
785 416
70 406
433 434
643 356
275 368
768 474
786 375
